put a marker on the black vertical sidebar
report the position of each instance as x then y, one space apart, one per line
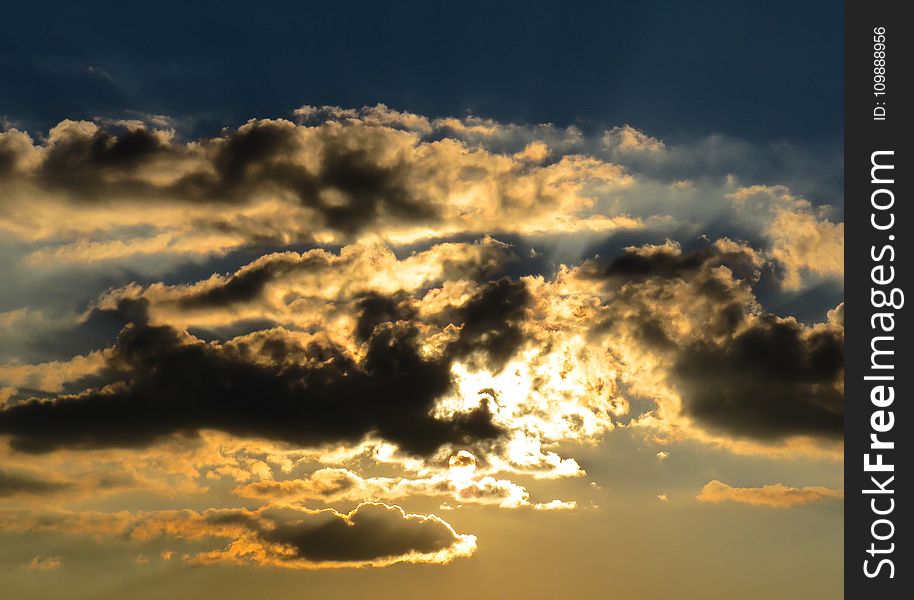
879 437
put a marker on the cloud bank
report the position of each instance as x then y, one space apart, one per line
773 496
354 307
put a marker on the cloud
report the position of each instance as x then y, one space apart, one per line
48 563
325 309
51 376
12 484
318 311
692 320
425 352
435 355
628 140
556 505
668 261
774 378
279 386
356 271
180 385
277 182
371 535
773 496
459 482
804 242
836 315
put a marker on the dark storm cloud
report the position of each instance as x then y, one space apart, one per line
770 381
370 190
371 532
170 384
20 483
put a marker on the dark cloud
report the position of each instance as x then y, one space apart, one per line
634 266
252 146
8 156
349 188
20 483
369 191
375 309
235 329
738 372
633 273
772 380
173 385
170 383
491 322
106 162
248 283
371 532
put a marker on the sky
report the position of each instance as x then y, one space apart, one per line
389 301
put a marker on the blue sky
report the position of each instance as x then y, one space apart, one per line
758 71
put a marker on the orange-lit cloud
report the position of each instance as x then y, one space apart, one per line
48 563
773 496
355 307
802 238
281 182
459 482
371 535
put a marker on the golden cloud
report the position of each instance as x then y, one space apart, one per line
371 535
773 496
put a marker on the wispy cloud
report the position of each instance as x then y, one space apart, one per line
775 495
